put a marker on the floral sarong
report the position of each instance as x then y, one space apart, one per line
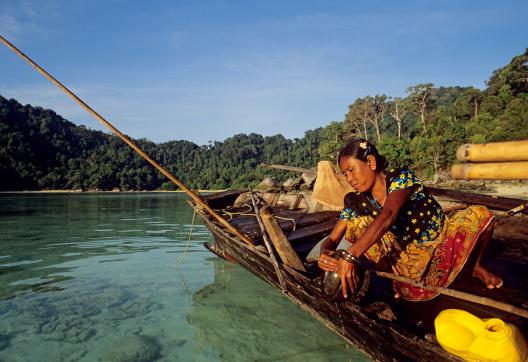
436 262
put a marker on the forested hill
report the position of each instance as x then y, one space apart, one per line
41 150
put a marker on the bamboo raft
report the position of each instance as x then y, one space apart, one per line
376 323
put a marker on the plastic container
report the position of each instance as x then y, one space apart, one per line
474 339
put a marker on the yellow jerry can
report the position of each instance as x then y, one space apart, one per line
474 339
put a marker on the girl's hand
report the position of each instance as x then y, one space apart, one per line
326 262
348 275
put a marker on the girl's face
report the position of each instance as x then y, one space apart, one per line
360 175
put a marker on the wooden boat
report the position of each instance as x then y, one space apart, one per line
376 323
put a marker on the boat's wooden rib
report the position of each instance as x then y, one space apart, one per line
365 324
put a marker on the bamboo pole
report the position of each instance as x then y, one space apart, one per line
494 152
458 294
197 199
491 171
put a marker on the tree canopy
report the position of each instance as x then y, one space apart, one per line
41 150
424 129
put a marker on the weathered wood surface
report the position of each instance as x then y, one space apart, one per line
283 247
382 340
302 200
492 202
513 228
271 253
508 259
286 219
507 256
219 200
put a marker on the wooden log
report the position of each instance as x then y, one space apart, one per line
276 266
288 256
291 168
492 202
491 171
296 202
494 152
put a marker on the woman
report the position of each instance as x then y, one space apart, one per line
394 221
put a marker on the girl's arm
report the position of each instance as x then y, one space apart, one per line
346 270
381 224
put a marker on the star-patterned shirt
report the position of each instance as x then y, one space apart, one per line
419 220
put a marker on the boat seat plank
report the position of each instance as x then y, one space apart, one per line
249 225
220 200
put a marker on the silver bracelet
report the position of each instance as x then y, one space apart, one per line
346 256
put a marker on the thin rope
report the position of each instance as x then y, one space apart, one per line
188 242
246 213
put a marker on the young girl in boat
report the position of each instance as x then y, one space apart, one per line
393 220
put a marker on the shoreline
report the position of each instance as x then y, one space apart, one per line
103 192
504 188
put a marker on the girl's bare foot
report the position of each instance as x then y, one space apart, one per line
490 280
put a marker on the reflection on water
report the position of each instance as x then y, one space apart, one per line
238 316
93 277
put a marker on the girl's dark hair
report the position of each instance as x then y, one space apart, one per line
360 149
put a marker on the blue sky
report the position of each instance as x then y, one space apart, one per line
206 70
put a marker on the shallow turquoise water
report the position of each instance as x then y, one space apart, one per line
94 277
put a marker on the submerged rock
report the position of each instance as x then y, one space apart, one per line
4 341
69 329
132 349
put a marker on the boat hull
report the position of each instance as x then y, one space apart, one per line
380 339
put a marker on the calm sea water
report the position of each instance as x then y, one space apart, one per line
100 277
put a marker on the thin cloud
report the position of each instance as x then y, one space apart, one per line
10 27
